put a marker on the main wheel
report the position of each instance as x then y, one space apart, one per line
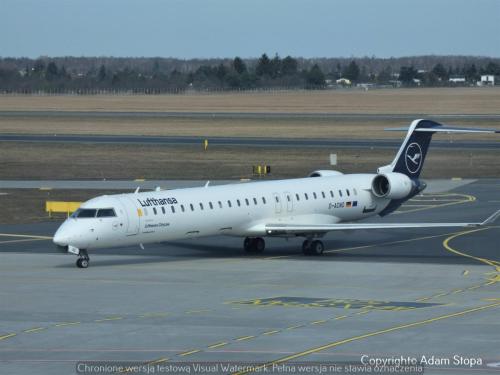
306 247
248 244
317 247
259 245
82 263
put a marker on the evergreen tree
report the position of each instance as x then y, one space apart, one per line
239 65
315 76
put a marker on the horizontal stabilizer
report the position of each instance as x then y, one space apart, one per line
446 129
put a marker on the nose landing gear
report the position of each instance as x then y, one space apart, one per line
83 259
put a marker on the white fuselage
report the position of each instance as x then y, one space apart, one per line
241 209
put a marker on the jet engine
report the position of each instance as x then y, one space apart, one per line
325 173
392 185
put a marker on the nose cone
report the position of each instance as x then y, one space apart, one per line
63 236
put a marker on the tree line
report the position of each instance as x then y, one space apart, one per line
166 74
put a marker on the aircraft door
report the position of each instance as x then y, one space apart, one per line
277 203
133 215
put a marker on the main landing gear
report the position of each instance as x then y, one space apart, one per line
313 247
83 259
254 245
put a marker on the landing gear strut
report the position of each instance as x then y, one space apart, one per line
313 247
254 245
83 259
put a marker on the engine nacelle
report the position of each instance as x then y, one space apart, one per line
325 173
392 185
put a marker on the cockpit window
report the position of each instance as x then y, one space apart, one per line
106 212
84 213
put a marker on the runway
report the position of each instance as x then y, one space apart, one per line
376 293
240 141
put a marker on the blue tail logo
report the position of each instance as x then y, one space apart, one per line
413 158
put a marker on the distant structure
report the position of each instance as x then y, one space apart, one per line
343 82
457 80
487 80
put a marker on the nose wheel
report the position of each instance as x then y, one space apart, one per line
83 259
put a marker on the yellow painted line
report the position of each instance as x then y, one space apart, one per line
189 353
24 236
45 188
218 345
423 299
197 311
370 245
161 360
363 312
340 317
140 179
294 327
347 306
467 199
25 240
271 332
457 291
440 295
108 319
465 273
244 338
7 336
489 262
37 329
66 324
474 287
318 322
365 336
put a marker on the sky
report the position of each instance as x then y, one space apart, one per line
248 28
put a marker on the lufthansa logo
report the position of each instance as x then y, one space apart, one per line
413 157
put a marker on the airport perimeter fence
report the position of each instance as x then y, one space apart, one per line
143 91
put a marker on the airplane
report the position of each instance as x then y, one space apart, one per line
325 201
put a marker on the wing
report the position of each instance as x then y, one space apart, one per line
279 229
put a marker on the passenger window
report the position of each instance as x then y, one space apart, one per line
347 191
229 204
220 204
246 201
182 207
163 210
263 200
211 205
323 194
307 197
277 199
297 198
201 205
106 212
85 213
255 201
154 210
331 193
191 205
288 198
173 209
238 201
340 192
314 195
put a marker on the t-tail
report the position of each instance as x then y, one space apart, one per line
411 155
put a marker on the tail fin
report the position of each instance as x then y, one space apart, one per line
411 155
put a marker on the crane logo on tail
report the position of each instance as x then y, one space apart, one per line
413 157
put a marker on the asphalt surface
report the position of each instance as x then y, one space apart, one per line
435 186
240 141
379 293
246 115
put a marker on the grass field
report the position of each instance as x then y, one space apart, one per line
392 101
